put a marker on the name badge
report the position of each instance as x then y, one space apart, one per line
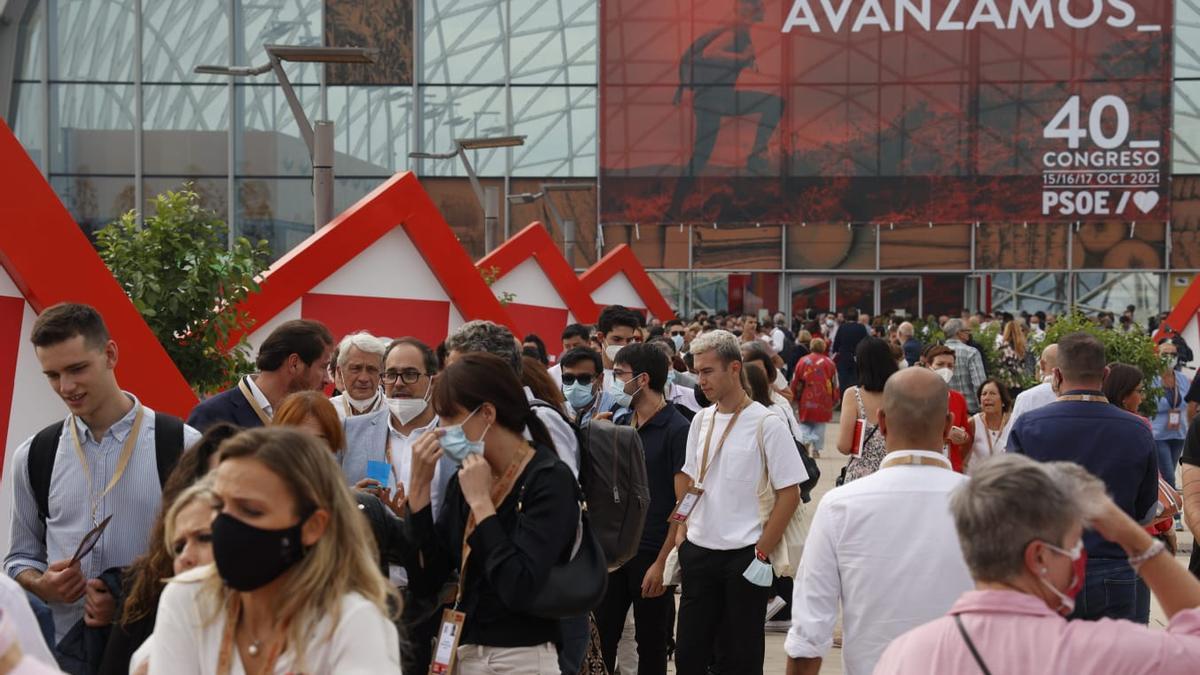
686 505
1173 420
447 642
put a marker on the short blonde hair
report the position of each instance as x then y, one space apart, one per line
722 342
200 490
817 346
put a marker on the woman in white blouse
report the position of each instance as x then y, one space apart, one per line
295 587
987 426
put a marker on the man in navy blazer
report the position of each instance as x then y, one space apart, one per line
294 357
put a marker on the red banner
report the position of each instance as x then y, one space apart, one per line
885 110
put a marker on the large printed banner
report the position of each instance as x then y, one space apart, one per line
885 110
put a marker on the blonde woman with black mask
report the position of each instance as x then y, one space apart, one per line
295 587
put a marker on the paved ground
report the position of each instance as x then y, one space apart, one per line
831 463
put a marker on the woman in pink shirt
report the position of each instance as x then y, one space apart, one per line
1020 524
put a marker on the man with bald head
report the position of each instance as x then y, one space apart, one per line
883 546
1037 397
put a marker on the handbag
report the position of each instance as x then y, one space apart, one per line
577 586
1169 501
785 559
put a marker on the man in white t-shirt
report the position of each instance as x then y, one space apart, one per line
721 612
1035 397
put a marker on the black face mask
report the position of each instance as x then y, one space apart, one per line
249 558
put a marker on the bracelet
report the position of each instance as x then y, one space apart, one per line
1155 548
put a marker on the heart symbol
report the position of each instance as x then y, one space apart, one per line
1146 201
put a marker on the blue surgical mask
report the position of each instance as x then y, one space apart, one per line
617 391
579 395
678 340
455 443
670 376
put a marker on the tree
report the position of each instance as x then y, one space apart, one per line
184 279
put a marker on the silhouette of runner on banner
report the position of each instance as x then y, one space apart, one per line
710 69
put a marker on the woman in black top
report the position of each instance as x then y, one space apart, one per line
512 502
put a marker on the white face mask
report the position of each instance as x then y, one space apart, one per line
945 373
611 351
363 405
408 409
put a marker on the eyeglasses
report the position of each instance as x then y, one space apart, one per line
678 332
408 375
583 378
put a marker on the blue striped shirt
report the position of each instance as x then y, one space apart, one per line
133 503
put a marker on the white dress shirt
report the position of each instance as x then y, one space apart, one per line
259 397
187 639
726 518
885 548
1028 401
777 339
565 443
682 396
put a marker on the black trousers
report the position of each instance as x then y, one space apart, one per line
721 614
651 617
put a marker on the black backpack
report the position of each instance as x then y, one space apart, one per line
612 473
168 445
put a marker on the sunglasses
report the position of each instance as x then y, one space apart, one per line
583 378
677 332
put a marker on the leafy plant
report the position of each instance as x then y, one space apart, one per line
490 275
184 279
1134 348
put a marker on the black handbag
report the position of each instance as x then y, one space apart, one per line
813 471
575 587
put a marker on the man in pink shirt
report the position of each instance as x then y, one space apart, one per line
1020 524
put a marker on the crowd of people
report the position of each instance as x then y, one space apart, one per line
488 505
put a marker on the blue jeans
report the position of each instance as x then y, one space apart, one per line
576 633
1169 452
1112 589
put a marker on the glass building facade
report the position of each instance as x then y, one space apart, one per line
103 95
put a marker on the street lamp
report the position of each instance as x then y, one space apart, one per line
318 137
567 225
489 200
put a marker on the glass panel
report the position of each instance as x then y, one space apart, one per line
385 25
656 245
1114 291
1042 291
186 130
1006 246
462 112
1187 38
93 40
270 142
670 284
553 41
830 246
347 191
900 295
1003 295
755 292
737 247
912 246
710 292
942 294
213 192
29 47
1185 223
371 129
857 293
95 201
1112 245
279 22
278 210
809 293
179 35
30 118
1186 131
463 41
91 128
560 123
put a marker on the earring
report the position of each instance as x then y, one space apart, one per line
1044 570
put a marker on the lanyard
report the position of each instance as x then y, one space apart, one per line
258 409
991 439
225 657
913 459
122 460
500 490
1087 398
704 463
